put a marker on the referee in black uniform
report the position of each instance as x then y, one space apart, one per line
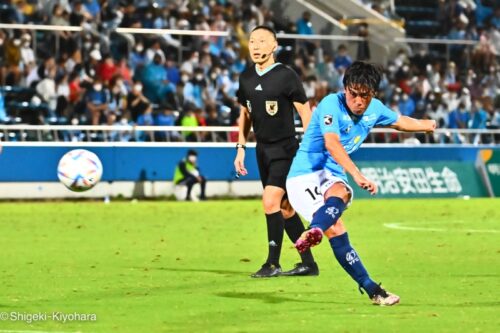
268 93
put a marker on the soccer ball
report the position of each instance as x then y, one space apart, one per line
79 170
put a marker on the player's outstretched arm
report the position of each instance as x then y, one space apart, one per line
244 129
408 124
335 148
304 111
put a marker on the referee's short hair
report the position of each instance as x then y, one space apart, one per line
362 74
267 28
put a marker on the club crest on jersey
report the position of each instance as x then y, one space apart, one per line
328 119
249 106
272 107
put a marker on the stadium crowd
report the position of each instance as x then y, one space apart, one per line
99 76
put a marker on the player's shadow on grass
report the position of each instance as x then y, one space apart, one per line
197 270
268 297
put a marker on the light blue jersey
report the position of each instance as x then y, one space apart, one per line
332 116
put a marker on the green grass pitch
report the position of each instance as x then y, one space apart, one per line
184 267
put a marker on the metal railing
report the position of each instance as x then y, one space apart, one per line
198 33
131 133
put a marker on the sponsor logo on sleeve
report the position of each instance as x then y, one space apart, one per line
328 120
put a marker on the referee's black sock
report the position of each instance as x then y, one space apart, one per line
275 231
294 228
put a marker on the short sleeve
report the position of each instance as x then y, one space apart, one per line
296 89
386 116
328 114
240 94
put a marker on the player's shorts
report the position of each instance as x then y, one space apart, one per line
274 161
306 192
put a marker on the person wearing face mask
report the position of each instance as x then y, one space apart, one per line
188 174
137 58
157 88
117 93
189 65
195 90
96 101
27 54
137 103
12 54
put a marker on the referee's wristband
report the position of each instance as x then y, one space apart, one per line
240 145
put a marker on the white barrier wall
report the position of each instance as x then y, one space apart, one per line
148 189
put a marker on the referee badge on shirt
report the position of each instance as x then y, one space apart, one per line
272 107
328 119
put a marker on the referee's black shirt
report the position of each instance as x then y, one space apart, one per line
269 97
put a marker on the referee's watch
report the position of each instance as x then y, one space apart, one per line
240 145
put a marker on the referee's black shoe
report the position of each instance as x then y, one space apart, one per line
267 270
303 269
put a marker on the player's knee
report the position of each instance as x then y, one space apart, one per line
271 205
339 190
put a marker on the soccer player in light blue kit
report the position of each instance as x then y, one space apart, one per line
317 182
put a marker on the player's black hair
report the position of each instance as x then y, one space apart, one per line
362 74
265 27
192 152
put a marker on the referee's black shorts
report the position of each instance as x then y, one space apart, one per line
274 161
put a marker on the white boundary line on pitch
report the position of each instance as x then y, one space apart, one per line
400 226
25 331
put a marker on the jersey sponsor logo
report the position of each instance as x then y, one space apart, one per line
328 120
259 87
249 106
356 139
272 107
351 257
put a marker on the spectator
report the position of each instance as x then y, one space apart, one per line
117 96
46 89
167 118
195 89
106 69
96 102
406 105
155 80
364 45
304 25
27 54
479 118
137 103
458 119
173 72
189 120
342 59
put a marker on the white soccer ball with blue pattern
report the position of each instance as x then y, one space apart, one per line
79 170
